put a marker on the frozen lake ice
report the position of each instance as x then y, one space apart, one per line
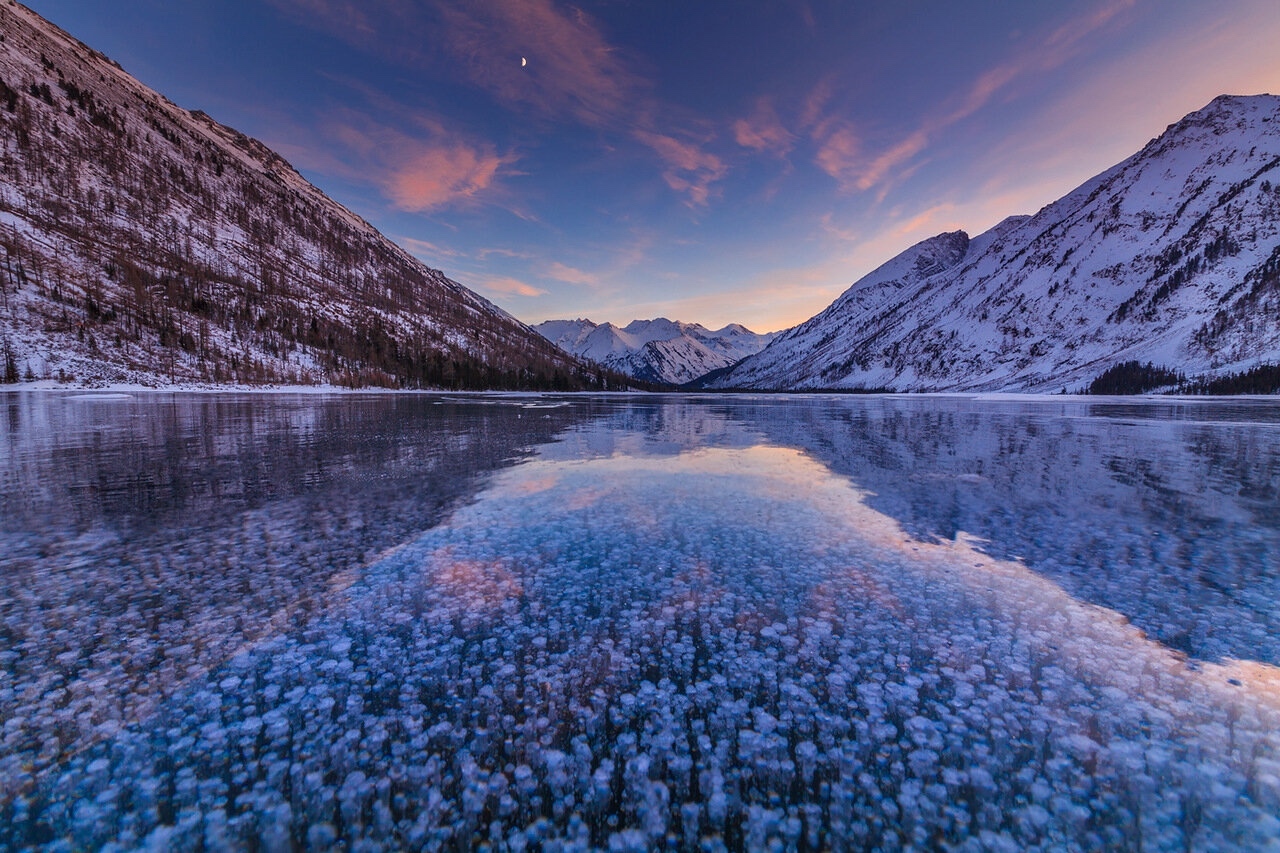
630 623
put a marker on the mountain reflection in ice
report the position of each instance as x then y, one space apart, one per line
144 540
1167 512
690 625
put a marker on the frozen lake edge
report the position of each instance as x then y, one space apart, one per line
536 653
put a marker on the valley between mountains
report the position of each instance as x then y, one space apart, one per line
146 244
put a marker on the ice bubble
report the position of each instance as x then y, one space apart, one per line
321 836
628 841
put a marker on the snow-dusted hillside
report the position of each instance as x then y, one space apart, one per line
142 242
658 350
1172 257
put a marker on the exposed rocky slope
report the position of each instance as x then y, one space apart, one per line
145 243
1171 257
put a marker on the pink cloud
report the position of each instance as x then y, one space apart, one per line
839 152
690 169
570 275
1078 29
442 175
342 16
846 235
763 130
572 68
840 156
879 168
506 286
1052 52
425 249
813 113
806 15
483 254
417 172
573 72
929 221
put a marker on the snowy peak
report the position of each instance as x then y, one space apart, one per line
1172 256
659 329
907 271
658 350
566 334
1223 115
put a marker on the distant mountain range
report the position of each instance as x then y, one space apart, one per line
660 350
1170 258
145 243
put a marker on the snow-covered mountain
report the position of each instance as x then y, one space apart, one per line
145 243
658 350
1171 257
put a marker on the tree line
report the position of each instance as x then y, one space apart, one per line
1133 377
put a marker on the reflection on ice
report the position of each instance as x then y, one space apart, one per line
664 631
1166 512
145 541
726 648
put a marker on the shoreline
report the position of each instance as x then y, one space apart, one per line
125 389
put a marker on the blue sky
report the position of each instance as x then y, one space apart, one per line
714 162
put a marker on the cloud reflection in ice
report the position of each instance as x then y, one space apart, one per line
628 645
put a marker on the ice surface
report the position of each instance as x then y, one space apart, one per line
681 624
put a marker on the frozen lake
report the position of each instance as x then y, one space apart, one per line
383 622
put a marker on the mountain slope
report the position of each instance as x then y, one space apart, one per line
658 350
142 242
1172 256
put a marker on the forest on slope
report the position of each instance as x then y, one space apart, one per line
143 243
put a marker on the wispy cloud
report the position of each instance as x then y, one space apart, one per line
840 155
504 286
1048 54
763 131
839 149
573 72
342 16
839 152
814 111
843 234
571 275
424 168
442 175
887 162
807 18
929 221
483 254
427 250
689 168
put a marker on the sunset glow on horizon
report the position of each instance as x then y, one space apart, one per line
710 163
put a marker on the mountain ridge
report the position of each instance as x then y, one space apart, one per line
144 243
1170 256
658 350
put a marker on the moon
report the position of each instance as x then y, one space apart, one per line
523 62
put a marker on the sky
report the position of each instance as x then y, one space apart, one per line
713 162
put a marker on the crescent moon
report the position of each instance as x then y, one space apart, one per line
523 62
